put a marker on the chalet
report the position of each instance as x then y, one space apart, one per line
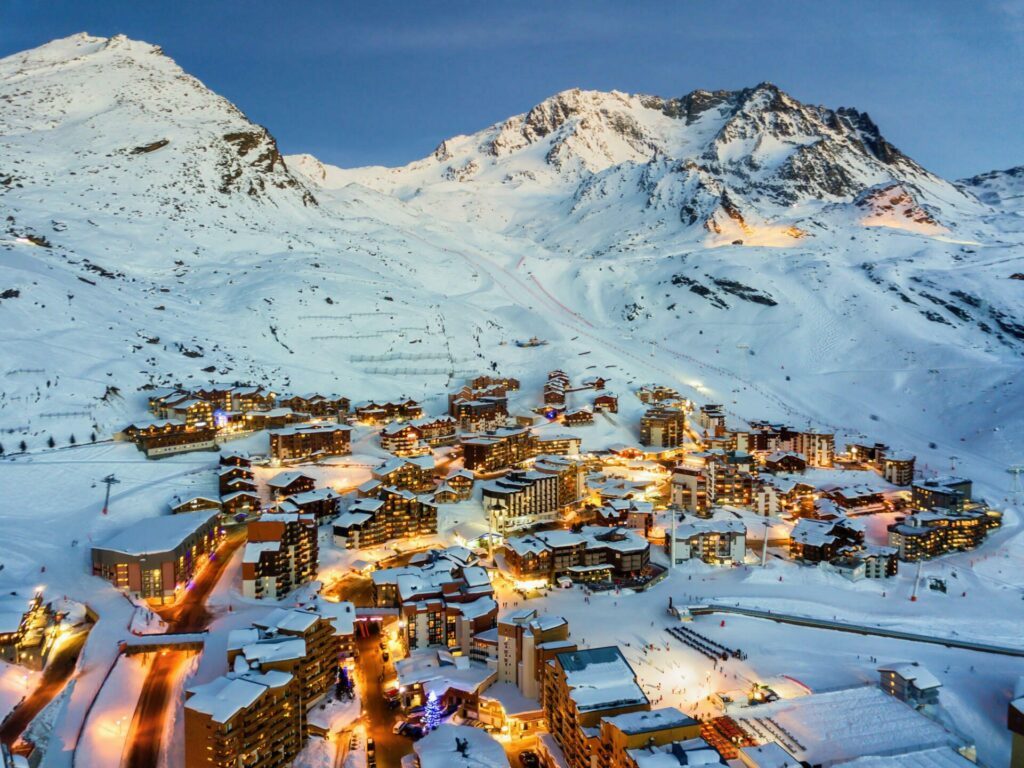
655 393
783 496
197 414
383 413
413 473
285 484
159 398
233 478
504 382
218 395
370 489
554 393
817 541
179 504
475 411
273 418
626 513
252 399
582 416
461 481
911 683
322 503
437 431
316 405
402 439
445 494
860 498
240 504
594 550
785 462
419 436
871 562
595 382
235 459
303 442
606 402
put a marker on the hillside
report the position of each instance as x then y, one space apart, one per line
781 258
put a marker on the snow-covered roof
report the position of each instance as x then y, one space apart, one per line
288 620
848 723
940 757
600 678
317 494
692 752
915 673
158 534
271 650
771 755
284 479
650 720
226 696
722 525
254 549
440 749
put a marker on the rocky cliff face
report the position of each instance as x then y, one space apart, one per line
718 164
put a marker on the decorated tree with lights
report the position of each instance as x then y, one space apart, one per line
432 715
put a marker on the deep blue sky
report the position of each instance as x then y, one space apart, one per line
385 82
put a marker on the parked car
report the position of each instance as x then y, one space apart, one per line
529 759
414 732
399 726
384 656
371 747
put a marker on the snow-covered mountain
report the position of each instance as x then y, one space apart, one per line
753 165
781 258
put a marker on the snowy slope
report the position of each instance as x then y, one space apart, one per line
775 250
155 235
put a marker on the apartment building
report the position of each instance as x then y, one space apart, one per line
498 449
720 541
394 514
154 558
303 442
663 427
596 553
521 500
281 554
579 689
251 719
524 644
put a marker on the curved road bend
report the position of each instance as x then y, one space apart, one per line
858 629
55 676
188 615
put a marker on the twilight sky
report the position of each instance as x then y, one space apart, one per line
384 82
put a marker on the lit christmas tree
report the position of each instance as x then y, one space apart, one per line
432 715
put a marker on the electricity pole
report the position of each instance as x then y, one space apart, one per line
109 480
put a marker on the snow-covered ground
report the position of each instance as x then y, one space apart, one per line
156 236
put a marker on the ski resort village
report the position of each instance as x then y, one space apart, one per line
628 432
